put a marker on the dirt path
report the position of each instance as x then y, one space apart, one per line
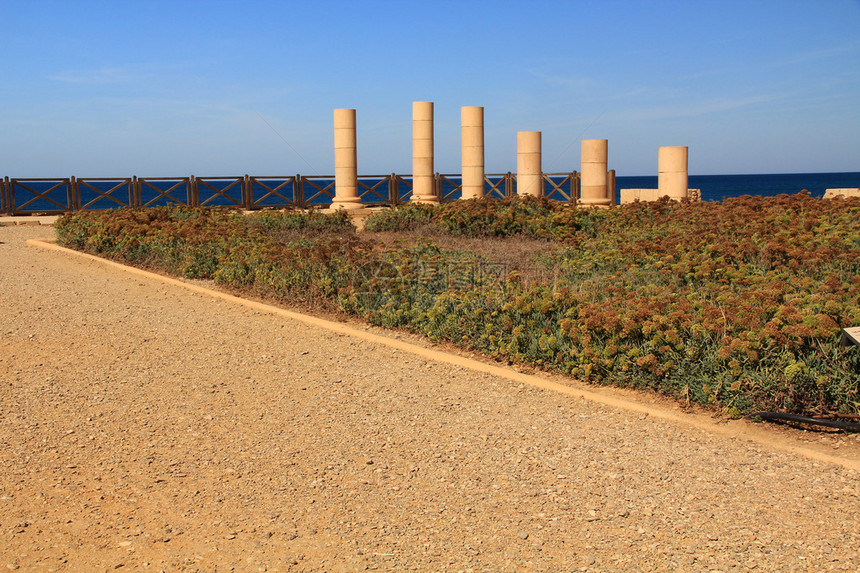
146 427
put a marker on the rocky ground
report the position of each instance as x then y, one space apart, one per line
145 427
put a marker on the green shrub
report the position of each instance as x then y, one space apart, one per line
736 305
527 216
290 224
406 217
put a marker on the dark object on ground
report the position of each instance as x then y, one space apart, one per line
828 422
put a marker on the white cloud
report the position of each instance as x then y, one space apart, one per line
108 75
574 83
822 53
693 109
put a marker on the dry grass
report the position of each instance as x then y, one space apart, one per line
515 253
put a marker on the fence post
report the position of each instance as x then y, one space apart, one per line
392 190
191 192
610 184
574 188
72 194
4 199
299 192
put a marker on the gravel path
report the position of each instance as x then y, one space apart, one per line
145 427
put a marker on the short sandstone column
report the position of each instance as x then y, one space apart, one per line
345 161
423 181
843 192
672 177
594 190
529 175
472 125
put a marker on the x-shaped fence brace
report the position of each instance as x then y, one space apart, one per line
274 191
102 194
208 183
571 179
501 188
372 190
403 182
150 183
22 184
455 187
326 190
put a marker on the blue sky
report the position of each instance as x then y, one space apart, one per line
121 88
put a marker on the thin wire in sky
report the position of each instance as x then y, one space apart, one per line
287 142
577 138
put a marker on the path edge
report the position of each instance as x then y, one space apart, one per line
738 429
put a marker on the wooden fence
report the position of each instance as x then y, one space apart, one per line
61 195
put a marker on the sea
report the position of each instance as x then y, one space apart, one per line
53 195
719 187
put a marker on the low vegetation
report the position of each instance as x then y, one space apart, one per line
737 305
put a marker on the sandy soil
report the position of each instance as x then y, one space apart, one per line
145 427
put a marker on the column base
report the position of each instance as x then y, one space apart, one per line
347 204
472 195
594 202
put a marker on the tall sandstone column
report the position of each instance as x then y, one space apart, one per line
345 161
672 178
472 126
423 183
594 191
529 175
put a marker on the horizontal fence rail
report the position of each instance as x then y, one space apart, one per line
50 196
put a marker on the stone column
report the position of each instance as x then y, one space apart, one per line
423 181
472 125
594 190
529 175
672 177
345 161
